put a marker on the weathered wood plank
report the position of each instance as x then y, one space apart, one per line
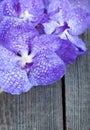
77 82
39 109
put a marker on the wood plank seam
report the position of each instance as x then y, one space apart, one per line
63 103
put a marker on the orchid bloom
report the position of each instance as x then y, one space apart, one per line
38 38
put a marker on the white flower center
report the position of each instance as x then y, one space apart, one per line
26 15
26 59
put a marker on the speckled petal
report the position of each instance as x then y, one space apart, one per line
47 68
34 7
52 42
78 20
7 59
12 78
10 8
15 34
31 5
14 81
16 8
53 5
84 4
61 6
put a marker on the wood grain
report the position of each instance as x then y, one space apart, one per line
39 109
77 83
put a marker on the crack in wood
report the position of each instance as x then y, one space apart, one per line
64 103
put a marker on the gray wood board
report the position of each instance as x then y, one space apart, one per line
77 82
39 109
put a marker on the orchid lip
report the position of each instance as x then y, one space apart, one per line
25 58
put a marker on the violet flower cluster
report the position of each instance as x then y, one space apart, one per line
38 38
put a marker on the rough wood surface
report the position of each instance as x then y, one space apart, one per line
77 83
39 109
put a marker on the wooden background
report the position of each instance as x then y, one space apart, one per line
64 105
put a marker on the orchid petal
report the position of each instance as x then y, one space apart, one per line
16 34
47 68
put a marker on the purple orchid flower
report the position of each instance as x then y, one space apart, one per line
19 73
37 39
23 65
71 19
